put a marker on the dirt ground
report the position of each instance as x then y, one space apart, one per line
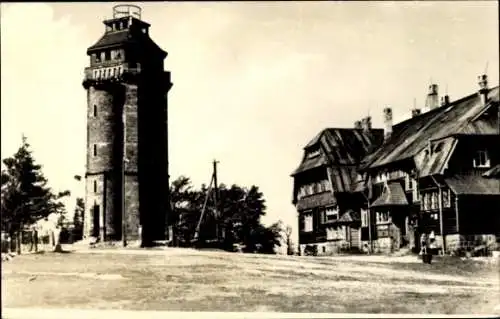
190 280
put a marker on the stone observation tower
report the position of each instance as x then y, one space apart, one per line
126 176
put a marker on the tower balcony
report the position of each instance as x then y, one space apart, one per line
109 72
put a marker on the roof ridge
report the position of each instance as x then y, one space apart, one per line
352 128
452 104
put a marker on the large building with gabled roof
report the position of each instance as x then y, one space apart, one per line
436 172
324 187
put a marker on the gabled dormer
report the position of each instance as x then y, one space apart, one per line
481 159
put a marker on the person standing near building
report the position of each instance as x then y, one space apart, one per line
423 247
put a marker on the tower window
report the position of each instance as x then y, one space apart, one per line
95 110
95 186
95 149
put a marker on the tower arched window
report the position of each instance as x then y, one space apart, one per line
95 186
95 110
95 149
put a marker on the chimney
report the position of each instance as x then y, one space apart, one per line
445 100
387 122
357 125
483 88
415 112
432 100
366 123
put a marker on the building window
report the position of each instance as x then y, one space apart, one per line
308 223
434 200
427 201
322 216
95 149
383 231
310 189
416 193
434 216
364 218
95 110
315 188
327 185
107 55
481 159
382 217
410 182
103 56
322 186
446 198
300 193
330 234
332 213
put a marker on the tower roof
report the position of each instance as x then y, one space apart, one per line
125 29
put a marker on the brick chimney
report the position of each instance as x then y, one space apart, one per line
432 100
357 125
483 88
415 112
445 100
387 122
366 123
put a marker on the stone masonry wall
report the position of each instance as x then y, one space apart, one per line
103 108
132 207
131 165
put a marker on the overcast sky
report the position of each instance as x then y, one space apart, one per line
253 82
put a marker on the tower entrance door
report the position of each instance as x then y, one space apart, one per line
96 220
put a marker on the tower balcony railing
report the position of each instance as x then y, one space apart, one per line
110 71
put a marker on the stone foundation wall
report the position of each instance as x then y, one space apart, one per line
457 241
328 248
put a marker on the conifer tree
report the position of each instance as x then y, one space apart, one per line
25 194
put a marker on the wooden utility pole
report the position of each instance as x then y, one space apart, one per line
216 200
124 160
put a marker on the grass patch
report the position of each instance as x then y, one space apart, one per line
237 282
